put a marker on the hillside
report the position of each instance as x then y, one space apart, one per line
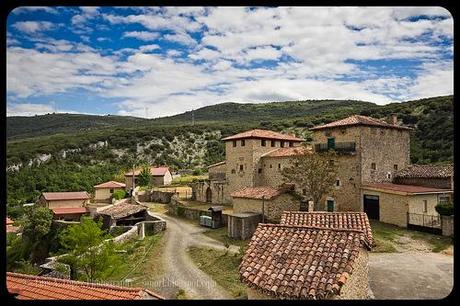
74 152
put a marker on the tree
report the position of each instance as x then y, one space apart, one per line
313 173
119 194
88 250
144 176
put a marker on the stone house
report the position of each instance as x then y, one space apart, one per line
69 206
122 214
309 256
103 192
159 176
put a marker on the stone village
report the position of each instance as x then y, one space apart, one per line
294 252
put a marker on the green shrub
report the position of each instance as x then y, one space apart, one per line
445 209
119 194
180 211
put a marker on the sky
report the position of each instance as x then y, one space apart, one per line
160 61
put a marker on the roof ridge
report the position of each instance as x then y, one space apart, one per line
317 227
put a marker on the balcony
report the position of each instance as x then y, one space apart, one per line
342 147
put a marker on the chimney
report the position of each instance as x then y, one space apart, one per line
394 119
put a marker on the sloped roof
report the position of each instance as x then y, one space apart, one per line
69 210
122 210
408 189
259 192
426 171
60 196
31 287
289 151
258 133
111 184
335 220
154 171
217 164
297 262
359 120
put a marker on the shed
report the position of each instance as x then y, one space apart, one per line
216 216
123 214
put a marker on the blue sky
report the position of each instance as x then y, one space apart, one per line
152 61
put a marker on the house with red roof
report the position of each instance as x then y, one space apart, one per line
32 287
103 192
159 176
69 206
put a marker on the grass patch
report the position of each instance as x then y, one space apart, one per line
220 234
386 238
222 267
157 207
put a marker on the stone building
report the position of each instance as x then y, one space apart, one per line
309 256
159 176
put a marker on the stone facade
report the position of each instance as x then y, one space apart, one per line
273 207
242 226
357 286
447 225
393 207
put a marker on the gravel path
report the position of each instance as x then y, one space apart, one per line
410 275
180 271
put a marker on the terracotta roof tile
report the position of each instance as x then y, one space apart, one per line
261 191
111 184
426 171
122 210
258 133
48 288
69 210
409 189
298 262
359 120
154 171
289 151
335 220
60 196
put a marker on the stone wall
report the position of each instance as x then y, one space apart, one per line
357 285
160 197
447 225
393 207
273 208
242 226
219 191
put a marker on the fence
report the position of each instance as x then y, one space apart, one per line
423 222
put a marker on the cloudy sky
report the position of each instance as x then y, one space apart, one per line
152 62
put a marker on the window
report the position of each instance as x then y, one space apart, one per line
260 170
331 162
343 131
234 143
395 167
233 171
241 167
271 166
296 164
443 200
388 175
291 144
337 183
273 143
304 191
373 166
279 166
111 190
243 142
327 133
282 144
263 143
425 206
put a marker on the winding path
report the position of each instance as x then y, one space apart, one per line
180 271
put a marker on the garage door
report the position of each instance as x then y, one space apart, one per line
371 206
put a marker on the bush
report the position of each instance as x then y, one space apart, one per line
119 194
445 209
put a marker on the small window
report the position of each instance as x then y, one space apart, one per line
425 206
234 143
282 144
273 143
271 166
331 162
241 167
263 143
443 200
243 142
389 175
373 166
327 133
111 190
337 183
260 170
395 167
279 166
233 171
291 144
343 131
304 191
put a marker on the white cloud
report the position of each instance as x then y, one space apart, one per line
142 35
32 27
28 9
28 109
181 38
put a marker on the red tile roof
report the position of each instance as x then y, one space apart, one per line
110 184
335 220
122 210
289 151
69 210
154 171
257 133
261 191
9 221
408 189
31 287
12 229
426 171
359 120
296 262
62 196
